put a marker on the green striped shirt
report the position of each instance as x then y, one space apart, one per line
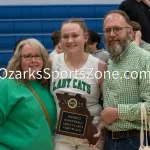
129 88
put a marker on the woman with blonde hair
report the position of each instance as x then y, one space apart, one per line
27 108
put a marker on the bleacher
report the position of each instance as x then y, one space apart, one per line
39 21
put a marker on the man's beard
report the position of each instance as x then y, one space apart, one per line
117 49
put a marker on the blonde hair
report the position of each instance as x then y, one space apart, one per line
80 22
82 25
14 63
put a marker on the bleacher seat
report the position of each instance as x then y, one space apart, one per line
7 41
43 25
7 26
101 10
39 21
10 12
55 11
5 57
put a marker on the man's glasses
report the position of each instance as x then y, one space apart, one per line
29 57
116 30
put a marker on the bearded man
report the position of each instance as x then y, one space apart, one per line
126 85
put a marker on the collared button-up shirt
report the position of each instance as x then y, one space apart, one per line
126 86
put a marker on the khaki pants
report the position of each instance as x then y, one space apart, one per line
70 143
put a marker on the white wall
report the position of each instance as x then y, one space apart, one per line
38 2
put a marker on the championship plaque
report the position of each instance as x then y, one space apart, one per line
75 119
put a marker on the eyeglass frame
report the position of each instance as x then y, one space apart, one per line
35 57
112 29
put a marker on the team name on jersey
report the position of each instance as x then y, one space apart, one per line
75 83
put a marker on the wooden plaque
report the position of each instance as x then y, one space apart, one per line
75 119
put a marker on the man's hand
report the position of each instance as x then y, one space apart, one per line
109 115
